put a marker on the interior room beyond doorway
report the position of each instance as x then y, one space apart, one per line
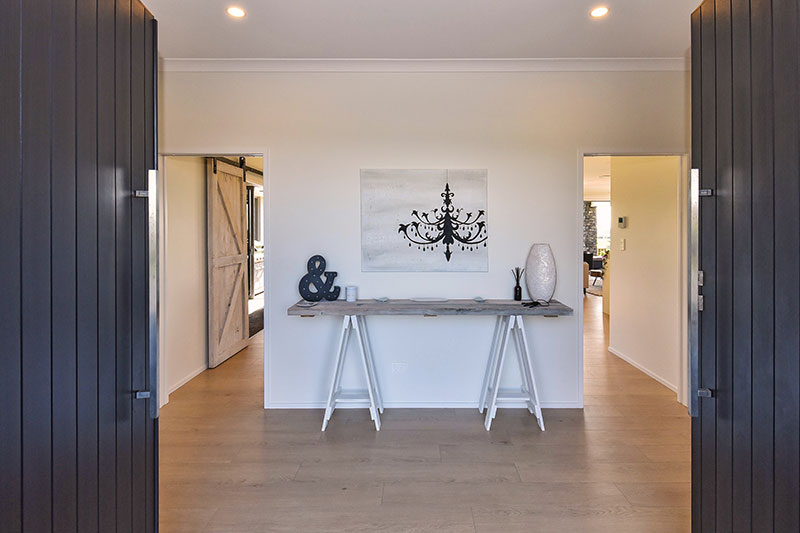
635 261
212 267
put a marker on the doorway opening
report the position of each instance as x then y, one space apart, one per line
212 274
255 250
635 261
635 349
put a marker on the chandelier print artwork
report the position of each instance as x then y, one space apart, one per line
447 226
433 220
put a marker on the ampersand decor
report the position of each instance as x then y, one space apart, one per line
321 289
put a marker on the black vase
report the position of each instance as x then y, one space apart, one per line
518 293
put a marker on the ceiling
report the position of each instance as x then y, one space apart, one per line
597 178
423 29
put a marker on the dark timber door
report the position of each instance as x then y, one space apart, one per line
77 136
746 143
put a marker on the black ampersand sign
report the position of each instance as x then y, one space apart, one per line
322 289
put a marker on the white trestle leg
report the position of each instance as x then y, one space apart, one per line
367 364
506 328
362 321
497 371
537 407
372 399
337 372
498 332
526 386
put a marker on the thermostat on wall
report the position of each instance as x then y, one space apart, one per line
622 222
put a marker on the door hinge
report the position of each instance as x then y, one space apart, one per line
701 277
141 193
142 394
700 304
705 393
706 192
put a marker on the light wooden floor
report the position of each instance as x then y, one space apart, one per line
621 464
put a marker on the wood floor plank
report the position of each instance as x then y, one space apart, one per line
622 519
384 518
667 453
224 474
588 495
272 495
340 434
185 520
672 409
620 422
628 399
657 494
606 472
326 453
394 470
197 453
622 386
543 454
255 437
578 436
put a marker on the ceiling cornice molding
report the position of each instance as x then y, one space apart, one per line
625 64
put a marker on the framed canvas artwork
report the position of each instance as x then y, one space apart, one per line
424 220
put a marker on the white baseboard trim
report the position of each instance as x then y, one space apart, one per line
193 374
425 405
636 365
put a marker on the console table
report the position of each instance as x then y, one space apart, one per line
508 326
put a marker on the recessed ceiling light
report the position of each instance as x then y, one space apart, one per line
236 12
598 12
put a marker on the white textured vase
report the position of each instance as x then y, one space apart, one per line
540 272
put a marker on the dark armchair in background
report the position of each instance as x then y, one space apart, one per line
594 262
592 266
587 264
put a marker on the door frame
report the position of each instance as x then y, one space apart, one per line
163 208
682 262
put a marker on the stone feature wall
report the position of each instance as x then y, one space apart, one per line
589 228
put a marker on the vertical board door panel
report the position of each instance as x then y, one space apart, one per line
77 100
64 272
106 269
228 327
708 172
723 262
786 148
124 285
763 234
746 143
36 287
741 270
697 158
10 270
87 280
151 162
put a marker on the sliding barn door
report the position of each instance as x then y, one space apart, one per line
77 87
746 145
228 326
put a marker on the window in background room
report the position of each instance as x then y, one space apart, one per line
603 213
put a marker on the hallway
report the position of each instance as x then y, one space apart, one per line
621 464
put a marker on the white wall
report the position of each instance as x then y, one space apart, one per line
526 128
185 270
646 298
